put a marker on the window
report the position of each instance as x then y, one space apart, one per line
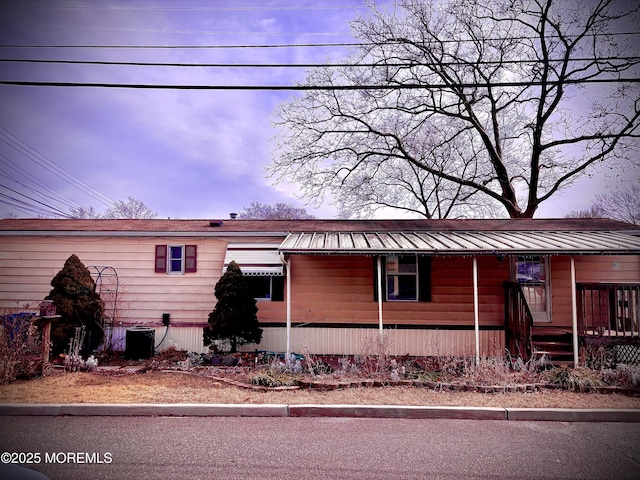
266 287
402 277
530 269
175 259
531 272
405 278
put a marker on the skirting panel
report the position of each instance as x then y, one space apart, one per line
349 341
341 341
181 338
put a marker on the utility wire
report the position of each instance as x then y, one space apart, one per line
175 30
235 8
39 188
188 47
298 45
407 86
50 207
46 163
306 65
23 206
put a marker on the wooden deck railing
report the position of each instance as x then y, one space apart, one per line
608 310
518 321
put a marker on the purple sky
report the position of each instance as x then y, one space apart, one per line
184 153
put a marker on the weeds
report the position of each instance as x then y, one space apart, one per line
73 361
573 379
625 376
270 378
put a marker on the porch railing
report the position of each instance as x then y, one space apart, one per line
518 321
608 310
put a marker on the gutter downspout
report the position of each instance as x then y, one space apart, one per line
574 313
476 309
380 294
287 264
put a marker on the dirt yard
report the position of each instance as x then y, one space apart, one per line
123 386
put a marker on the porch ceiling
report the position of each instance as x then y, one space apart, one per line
463 242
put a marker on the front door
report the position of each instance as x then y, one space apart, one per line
531 272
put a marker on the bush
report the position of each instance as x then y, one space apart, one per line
234 319
78 304
20 348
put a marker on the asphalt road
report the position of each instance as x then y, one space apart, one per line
92 448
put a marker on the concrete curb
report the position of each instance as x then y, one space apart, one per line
150 410
573 415
389 411
352 411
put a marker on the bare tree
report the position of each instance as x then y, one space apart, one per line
84 213
621 204
503 102
276 211
591 212
132 208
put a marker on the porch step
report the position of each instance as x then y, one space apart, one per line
553 345
550 331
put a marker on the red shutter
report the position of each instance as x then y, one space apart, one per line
190 256
161 259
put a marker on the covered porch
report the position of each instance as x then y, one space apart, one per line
503 246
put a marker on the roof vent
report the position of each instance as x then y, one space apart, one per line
233 215
216 223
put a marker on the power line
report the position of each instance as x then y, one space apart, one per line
188 47
52 208
291 45
43 187
304 65
406 86
235 8
174 30
50 166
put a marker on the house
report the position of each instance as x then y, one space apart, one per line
432 287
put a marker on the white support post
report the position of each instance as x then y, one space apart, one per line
380 295
574 313
476 308
287 264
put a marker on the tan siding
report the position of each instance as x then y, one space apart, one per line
596 269
601 269
334 289
29 264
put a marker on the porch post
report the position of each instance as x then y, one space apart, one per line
574 312
380 294
287 263
476 313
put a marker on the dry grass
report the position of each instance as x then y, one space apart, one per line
162 387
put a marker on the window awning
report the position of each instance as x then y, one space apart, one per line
463 243
254 258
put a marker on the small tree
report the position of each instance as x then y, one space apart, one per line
275 211
234 319
76 300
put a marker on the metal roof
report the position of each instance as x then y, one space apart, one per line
462 242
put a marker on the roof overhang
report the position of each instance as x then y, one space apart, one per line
463 243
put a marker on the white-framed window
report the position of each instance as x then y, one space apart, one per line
532 273
175 259
402 278
175 262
